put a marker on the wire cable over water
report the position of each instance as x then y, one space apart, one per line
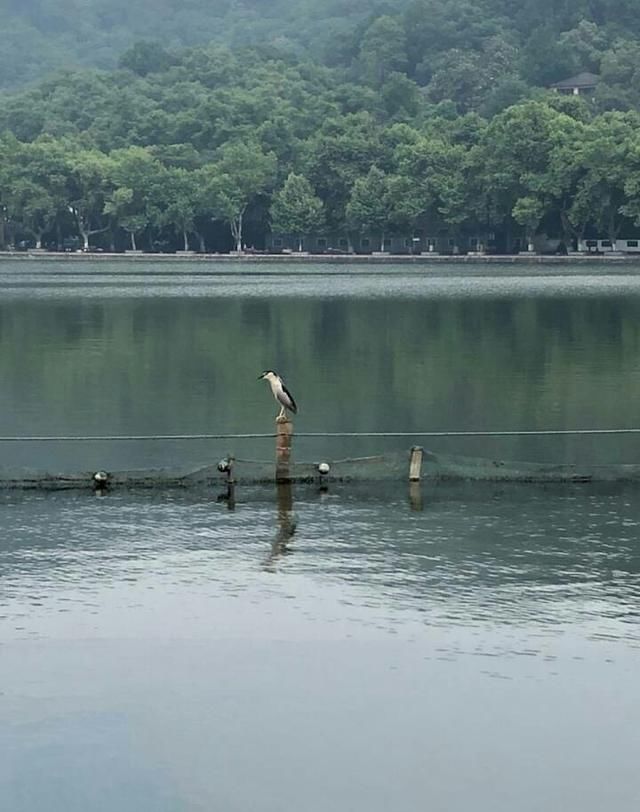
94 438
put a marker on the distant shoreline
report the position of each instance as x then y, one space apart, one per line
319 259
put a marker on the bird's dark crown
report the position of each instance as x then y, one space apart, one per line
267 371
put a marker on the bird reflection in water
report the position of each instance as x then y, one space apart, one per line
285 526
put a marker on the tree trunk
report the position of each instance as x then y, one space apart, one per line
203 247
382 242
185 238
613 231
133 241
237 231
85 239
38 241
299 244
571 234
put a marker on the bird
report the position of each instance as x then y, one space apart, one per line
280 393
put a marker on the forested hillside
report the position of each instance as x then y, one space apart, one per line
464 47
430 117
40 35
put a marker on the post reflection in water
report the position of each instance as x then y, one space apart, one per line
285 525
415 496
228 496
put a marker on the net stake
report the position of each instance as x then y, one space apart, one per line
284 435
415 463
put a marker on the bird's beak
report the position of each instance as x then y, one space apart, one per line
260 377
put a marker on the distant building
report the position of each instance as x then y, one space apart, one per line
603 246
582 84
442 242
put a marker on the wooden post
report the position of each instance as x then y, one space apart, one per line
225 466
415 464
284 435
415 471
232 461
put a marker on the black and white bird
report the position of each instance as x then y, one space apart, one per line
280 393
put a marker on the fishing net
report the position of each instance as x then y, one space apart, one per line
389 466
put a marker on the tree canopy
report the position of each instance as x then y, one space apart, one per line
429 116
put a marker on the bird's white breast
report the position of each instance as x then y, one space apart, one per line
276 387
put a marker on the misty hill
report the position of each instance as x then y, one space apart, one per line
38 36
461 49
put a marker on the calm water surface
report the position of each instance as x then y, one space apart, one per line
104 348
353 651
321 651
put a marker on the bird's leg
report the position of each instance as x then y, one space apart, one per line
282 417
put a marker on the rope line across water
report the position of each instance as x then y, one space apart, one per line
63 438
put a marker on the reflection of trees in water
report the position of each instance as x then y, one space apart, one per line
189 365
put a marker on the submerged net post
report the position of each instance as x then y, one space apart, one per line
225 466
415 496
284 435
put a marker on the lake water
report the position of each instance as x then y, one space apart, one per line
109 348
346 653
349 649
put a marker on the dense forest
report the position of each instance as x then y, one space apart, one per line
162 125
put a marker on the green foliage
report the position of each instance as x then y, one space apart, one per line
528 211
296 208
428 115
383 50
243 172
370 207
131 202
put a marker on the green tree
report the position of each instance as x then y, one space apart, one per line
528 212
132 203
146 56
619 86
35 185
89 183
296 209
516 158
603 161
383 50
378 203
244 172
178 196
341 151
